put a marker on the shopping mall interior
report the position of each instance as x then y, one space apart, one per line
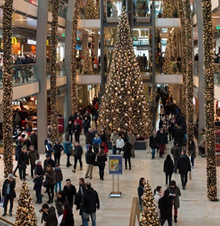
143 71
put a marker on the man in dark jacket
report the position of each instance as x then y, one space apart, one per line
165 206
8 192
33 155
49 215
69 131
180 137
78 151
89 137
153 143
33 138
48 161
22 163
89 204
90 159
57 148
77 131
175 151
70 192
184 167
162 141
17 153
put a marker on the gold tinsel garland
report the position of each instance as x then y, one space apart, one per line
209 100
189 67
25 215
168 9
90 10
183 37
87 64
149 216
74 93
7 87
53 76
124 104
93 45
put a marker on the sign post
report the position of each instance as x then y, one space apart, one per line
115 169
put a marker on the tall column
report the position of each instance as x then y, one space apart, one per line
85 39
198 10
42 18
68 38
97 45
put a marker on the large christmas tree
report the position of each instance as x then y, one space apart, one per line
124 104
87 64
25 215
149 214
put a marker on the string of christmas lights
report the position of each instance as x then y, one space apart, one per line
87 64
90 10
168 9
7 116
53 75
74 93
209 100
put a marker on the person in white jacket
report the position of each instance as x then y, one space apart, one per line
120 144
157 196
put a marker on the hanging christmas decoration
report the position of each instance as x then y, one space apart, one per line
87 64
90 10
168 9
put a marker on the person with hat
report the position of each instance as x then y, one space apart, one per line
48 161
8 193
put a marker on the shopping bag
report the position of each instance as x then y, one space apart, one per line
2 202
190 176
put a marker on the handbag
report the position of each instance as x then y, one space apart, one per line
45 183
2 201
95 163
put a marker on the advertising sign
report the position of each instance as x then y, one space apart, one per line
115 164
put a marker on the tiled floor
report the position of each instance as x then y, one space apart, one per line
195 209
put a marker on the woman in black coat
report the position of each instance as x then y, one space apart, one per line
127 154
22 163
101 158
68 219
168 168
38 180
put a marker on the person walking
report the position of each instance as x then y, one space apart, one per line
158 195
153 143
17 153
101 158
68 148
162 141
77 129
67 219
51 181
127 154
90 159
89 204
113 139
201 142
59 178
78 152
33 156
168 168
8 192
120 144
192 151
86 125
184 167
165 206
60 202
89 137
69 131
57 149
132 140
175 194
70 192
140 192
175 151
22 163
38 180
96 142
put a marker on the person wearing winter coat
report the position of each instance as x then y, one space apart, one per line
140 192
70 192
57 149
69 131
180 137
76 131
86 125
101 158
38 180
51 181
201 142
48 161
67 219
78 151
96 142
162 141
17 152
175 194
22 163
153 143
89 136
49 215
158 195
165 206
113 139
175 151
168 168
132 140
33 156
127 154
184 167
67 150
60 202
120 144
90 159
48 146
192 151
59 177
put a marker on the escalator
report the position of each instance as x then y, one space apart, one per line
4 222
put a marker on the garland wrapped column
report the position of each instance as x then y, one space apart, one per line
97 9
7 87
183 37
74 95
53 76
209 100
189 67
